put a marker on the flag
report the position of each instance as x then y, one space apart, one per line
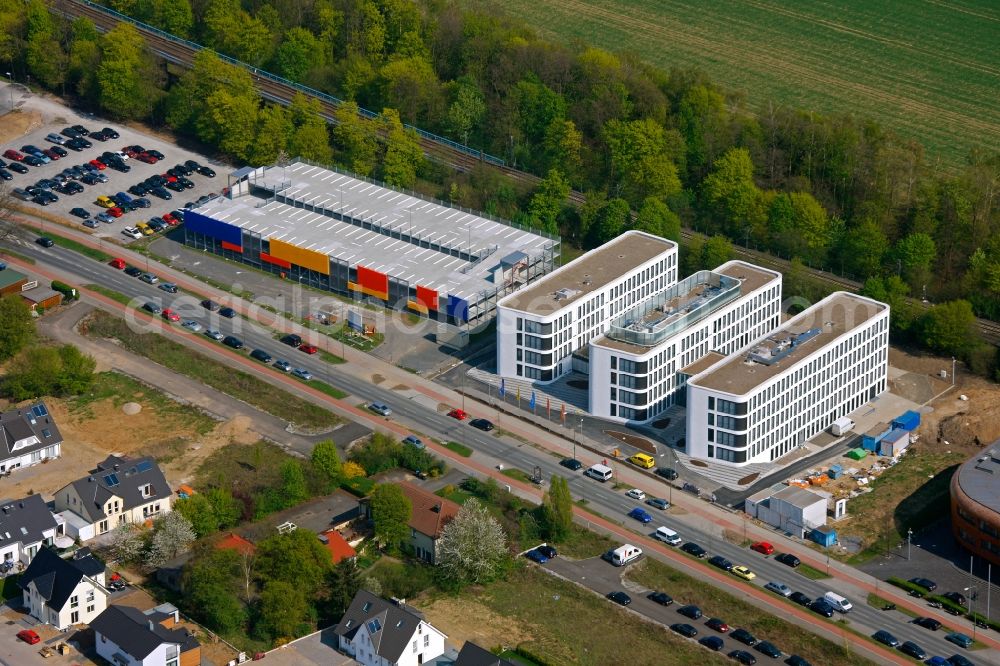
563 415
518 396
503 388
548 408
532 401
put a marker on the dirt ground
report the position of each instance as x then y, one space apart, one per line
462 621
18 123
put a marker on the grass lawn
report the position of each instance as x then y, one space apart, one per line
516 474
455 494
460 449
240 385
811 572
356 340
910 495
556 616
331 391
10 590
937 61
17 255
739 613
110 293
582 543
878 602
70 244
330 358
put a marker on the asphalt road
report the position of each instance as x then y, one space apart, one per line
602 498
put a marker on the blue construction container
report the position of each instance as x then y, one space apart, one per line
909 421
824 536
870 440
894 443
835 471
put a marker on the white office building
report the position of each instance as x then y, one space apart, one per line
762 402
541 326
639 366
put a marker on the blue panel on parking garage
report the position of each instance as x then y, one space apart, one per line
458 308
200 224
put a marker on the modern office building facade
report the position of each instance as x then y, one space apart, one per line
975 504
637 368
541 326
345 234
760 403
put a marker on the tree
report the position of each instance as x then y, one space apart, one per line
640 162
200 513
310 138
44 55
861 249
548 200
229 122
77 373
563 145
210 583
297 558
466 109
293 483
17 328
655 218
915 255
716 251
472 547
345 581
282 611
950 328
55 371
326 458
731 193
612 220
172 535
702 120
125 80
299 52
84 60
391 512
274 127
128 542
402 157
557 507
411 85
353 137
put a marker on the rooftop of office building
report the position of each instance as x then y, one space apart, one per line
454 251
783 349
588 273
977 477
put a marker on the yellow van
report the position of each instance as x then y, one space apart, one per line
642 460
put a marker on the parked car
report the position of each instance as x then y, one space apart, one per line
960 639
636 494
928 623
284 366
667 473
884 637
91 224
717 624
132 271
210 305
261 355
661 598
535 556
170 315
768 649
779 588
640 514
691 548
232 341
117 263
720 562
713 643
571 464
744 636
743 657
548 551
955 597
958 660
690 611
619 598
169 287
149 306
743 572
29 636
911 649
214 334
658 503
131 232
149 278
925 583
292 340
380 408
796 660
459 414
788 559
684 629
762 547
482 424
81 213
821 607
45 241
306 349
228 313
191 325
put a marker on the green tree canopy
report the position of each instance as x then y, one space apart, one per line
325 458
391 512
548 200
211 584
17 327
355 139
126 80
731 193
950 328
297 558
50 371
466 111
641 164
915 255
860 250
613 218
716 251
656 218
557 508
299 52
283 611
402 157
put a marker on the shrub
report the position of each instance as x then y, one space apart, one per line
69 293
351 470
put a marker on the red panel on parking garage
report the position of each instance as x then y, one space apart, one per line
229 246
428 297
264 256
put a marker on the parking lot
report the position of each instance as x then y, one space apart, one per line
116 180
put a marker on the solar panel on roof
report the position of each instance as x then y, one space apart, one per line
111 479
144 466
374 625
39 410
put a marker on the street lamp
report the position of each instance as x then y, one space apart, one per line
909 536
10 88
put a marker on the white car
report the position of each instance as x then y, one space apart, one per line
635 493
284 366
191 325
779 588
302 374
215 335
132 232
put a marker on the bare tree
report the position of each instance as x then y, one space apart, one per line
247 559
473 546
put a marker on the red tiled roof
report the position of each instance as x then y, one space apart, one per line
430 512
338 546
235 542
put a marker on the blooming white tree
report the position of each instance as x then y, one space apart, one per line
128 542
473 546
172 535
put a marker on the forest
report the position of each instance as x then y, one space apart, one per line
649 148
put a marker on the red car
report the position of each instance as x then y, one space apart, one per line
12 154
99 165
28 636
51 154
170 219
115 212
763 547
459 414
117 263
169 178
309 349
146 157
170 315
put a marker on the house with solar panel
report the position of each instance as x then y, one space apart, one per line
119 491
377 632
29 436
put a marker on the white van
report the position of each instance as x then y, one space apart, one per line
600 472
625 554
841 604
667 536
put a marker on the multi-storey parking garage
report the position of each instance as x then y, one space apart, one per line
344 234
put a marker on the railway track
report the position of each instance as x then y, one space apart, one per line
181 53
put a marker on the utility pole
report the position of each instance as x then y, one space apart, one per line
909 536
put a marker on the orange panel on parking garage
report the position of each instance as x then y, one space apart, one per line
314 261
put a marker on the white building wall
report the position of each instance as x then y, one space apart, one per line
158 657
548 341
90 602
640 396
33 458
784 411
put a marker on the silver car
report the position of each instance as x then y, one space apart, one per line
214 334
284 366
779 588
191 325
302 374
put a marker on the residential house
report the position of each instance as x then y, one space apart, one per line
119 491
473 655
337 545
430 514
25 525
376 632
127 636
64 592
233 541
29 436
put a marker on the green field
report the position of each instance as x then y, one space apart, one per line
928 69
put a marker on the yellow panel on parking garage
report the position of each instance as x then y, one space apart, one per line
314 261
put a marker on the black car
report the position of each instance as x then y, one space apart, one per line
661 598
110 133
232 341
927 623
720 562
718 625
81 213
58 150
691 548
292 340
955 597
31 160
80 130
210 305
99 135
547 551
187 183
571 464
41 201
744 636
788 559
913 650
89 179
142 202
155 153
620 598
684 629
45 241
712 643
767 648
959 660
70 133
132 271
228 313
885 638
6 175
666 472
138 190
482 424
690 611
925 583
176 186
192 165
184 169
821 607
205 171
796 660
800 599
17 167
261 355
743 657
162 193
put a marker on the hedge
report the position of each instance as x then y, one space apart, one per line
70 293
359 486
